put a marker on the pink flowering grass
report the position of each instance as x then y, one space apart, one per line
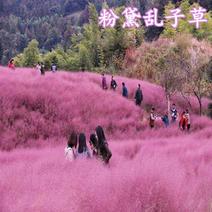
151 170
151 175
33 107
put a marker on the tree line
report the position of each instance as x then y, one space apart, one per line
53 22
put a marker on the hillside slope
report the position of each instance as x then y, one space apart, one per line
150 170
36 108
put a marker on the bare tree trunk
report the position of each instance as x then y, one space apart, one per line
186 99
168 104
200 102
200 106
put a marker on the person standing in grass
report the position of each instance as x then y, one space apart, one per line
83 151
188 120
70 150
124 90
165 119
173 113
103 150
138 95
152 118
42 69
183 120
94 145
113 84
104 82
11 64
53 68
38 67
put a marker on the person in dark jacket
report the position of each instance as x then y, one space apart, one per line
138 95
104 82
113 84
42 69
124 90
165 120
103 150
94 144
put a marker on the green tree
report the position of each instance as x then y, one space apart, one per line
183 24
205 31
169 31
31 54
49 58
93 35
87 45
19 60
84 57
185 6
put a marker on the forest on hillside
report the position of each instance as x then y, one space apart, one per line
53 22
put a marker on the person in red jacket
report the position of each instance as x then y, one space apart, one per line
11 64
188 120
183 120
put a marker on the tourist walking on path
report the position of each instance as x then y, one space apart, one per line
113 84
138 95
104 82
124 90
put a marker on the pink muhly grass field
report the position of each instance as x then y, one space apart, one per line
150 170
